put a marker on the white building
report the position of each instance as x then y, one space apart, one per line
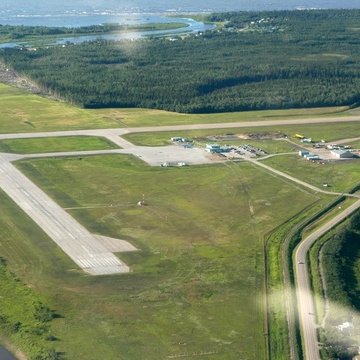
342 154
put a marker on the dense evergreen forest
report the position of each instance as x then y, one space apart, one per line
263 60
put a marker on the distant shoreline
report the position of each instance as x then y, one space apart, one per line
83 20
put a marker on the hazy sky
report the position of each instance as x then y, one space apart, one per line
50 6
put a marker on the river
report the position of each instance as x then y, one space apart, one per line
191 26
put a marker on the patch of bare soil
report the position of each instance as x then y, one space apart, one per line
266 135
252 136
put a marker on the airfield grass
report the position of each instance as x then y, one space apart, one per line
25 112
55 144
198 279
149 117
340 175
330 132
355 144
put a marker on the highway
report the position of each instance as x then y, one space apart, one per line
303 289
85 249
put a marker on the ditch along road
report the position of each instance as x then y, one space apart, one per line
305 301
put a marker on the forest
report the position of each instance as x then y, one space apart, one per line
341 264
253 60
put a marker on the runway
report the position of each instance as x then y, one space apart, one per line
90 252
84 248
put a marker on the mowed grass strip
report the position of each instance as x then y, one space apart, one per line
55 144
329 132
151 117
25 112
197 281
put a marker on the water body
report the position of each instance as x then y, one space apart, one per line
49 7
72 13
191 26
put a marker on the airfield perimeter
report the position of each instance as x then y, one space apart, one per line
83 247
94 254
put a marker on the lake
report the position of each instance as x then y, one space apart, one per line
89 12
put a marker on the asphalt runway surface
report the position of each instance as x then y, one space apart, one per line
80 245
123 131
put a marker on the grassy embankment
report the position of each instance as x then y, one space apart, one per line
201 259
280 244
55 144
24 112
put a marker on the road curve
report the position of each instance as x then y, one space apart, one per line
303 289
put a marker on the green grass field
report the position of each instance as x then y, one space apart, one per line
149 117
24 112
197 286
55 144
197 282
340 175
355 144
330 132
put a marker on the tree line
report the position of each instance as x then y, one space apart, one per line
308 59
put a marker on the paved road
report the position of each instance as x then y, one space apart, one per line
303 289
83 248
